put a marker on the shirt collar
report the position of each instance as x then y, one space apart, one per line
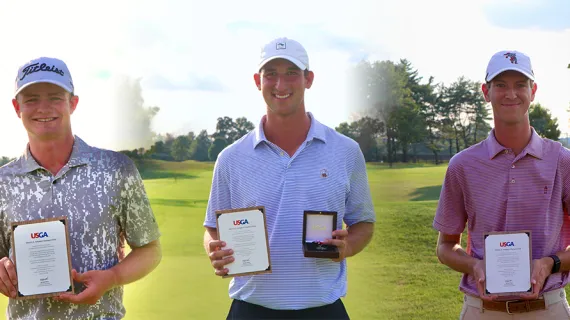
534 147
316 131
79 156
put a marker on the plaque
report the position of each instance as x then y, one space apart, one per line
244 231
508 264
41 255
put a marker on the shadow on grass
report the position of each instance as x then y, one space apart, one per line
426 193
179 202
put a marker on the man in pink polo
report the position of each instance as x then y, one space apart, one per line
514 180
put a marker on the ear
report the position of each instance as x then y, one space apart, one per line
257 79
533 91
309 80
16 105
485 90
73 104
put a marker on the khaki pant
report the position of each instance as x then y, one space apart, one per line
556 309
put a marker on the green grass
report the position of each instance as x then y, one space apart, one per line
396 277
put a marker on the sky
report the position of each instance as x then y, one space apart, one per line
196 59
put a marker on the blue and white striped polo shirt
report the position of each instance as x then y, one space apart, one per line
255 172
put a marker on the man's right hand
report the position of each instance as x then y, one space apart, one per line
8 278
220 257
478 272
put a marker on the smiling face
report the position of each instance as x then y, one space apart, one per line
283 85
45 110
510 94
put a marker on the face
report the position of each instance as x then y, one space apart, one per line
283 85
45 110
510 93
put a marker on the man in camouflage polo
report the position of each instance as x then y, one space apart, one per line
99 191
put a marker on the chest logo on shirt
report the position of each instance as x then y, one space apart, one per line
545 189
324 173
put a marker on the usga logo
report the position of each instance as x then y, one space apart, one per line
39 235
507 244
240 222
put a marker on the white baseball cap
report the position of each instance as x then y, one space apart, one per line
44 69
284 48
509 60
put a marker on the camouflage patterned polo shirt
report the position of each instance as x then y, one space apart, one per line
102 195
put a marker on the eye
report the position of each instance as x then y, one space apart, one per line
30 100
292 73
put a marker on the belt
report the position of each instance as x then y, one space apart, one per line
518 306
515 306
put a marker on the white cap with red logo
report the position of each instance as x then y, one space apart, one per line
509 60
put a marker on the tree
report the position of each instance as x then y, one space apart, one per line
541 120
366 132
241 127
181 148
466 111
4 160
381 90
200 146
217 146
231 131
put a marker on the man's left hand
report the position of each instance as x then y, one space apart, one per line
340 241
97 282
541 269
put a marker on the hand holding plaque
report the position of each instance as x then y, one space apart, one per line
41 257
245 232
508 261
317 227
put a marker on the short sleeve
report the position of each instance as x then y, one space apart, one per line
137 218
451 216
220 197
359 207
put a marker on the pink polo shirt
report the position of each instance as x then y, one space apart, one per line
491 189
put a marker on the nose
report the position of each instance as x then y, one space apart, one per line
43 105
511 93
280 83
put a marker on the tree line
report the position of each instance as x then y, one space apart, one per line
402 118
407 117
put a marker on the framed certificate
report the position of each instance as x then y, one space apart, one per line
41 256
508 263
318 226
245 231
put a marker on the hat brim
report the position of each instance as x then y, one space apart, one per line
57 83
297 62
492 76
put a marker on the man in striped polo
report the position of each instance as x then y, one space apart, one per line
514 180
291 163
